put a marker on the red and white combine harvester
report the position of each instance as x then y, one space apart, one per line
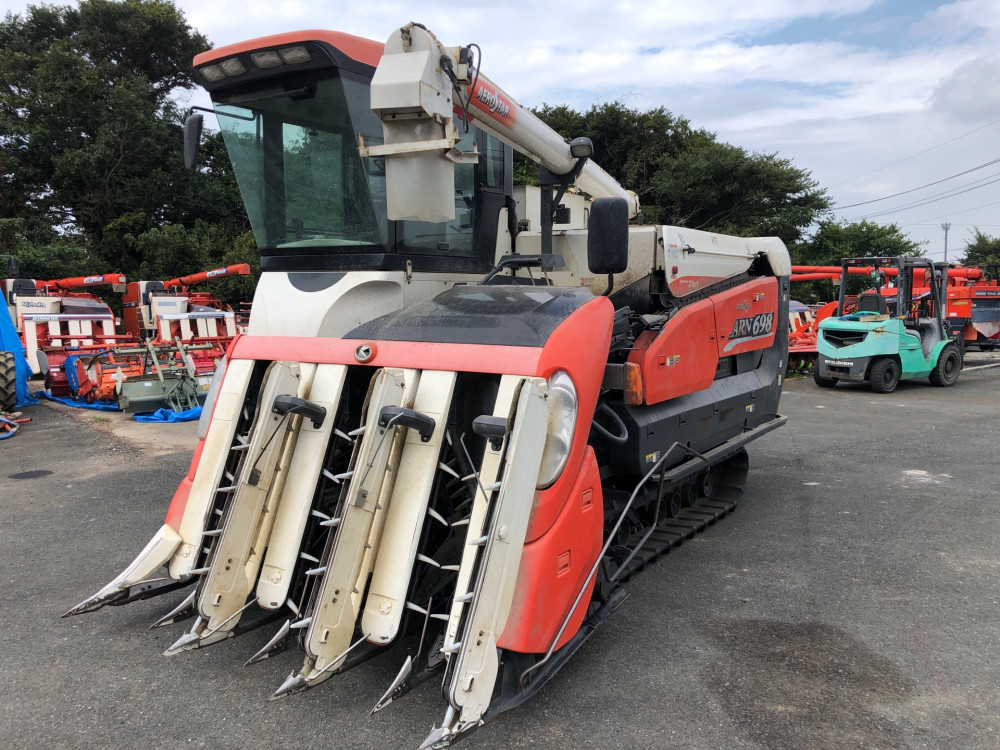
463 411
55 321
168 313
177 336
164 311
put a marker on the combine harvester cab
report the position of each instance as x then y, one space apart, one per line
474 440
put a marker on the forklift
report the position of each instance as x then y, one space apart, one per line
894 332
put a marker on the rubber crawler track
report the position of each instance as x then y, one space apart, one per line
731 477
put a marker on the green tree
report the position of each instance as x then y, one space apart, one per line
982 250
90 134
686 177
834 240
724 188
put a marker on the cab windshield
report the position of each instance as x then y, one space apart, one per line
306 188
296 161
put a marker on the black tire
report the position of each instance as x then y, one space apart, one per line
8 382
823 382
948 367
884 375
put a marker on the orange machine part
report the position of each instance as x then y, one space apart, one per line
747 317
361 49
554 567
179 501
681 358
579 345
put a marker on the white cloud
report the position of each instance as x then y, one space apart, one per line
836 103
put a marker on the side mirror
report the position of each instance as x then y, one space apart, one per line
607 236
192 139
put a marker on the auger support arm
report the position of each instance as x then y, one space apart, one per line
417 86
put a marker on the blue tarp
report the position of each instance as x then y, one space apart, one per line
95 405
166 415
11 342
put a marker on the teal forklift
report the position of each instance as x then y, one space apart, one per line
894 332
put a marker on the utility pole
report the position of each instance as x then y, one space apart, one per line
946 226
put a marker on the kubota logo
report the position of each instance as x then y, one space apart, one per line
758 325
492 101
32 304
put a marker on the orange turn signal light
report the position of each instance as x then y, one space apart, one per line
634 392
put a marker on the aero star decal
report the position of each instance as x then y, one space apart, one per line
491 100
745 329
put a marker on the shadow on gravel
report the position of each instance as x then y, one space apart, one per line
807 685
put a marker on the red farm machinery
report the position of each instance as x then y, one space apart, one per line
465 412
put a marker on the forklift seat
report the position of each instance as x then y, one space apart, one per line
873 302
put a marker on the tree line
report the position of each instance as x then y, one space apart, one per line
92 177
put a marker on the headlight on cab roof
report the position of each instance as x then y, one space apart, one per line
563 406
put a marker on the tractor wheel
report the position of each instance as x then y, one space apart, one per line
823 382
8 382
884 375
948 367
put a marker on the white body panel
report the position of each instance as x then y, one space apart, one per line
296 498
475 672
397 549
219 439
282 309
694 259
247 524
339 596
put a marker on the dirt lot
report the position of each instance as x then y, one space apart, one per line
851 602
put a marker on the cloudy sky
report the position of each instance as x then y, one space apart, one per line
876 98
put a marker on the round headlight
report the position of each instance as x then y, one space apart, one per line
562 408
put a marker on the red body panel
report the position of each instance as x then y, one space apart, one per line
579 346
515 360
680 358
746 317
362 50
554 568
179 501
565 531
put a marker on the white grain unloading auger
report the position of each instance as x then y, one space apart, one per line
463 411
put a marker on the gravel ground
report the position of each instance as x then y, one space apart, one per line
850 602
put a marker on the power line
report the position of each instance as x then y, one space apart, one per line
954 213
913 190
932 199
919 153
